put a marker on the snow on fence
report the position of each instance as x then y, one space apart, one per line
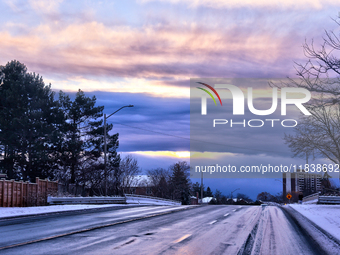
19 194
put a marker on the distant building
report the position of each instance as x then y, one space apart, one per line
230 201
138 185
302 182
241 201
206 200
194 200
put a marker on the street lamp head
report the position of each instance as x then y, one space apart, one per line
130 105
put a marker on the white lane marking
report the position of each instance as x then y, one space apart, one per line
234 210
212 222
225 215
182 238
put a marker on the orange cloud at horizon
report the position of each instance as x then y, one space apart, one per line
173 154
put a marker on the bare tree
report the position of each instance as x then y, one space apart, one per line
318 134
265 196
244 197
91 176
160 181
126 174
320 74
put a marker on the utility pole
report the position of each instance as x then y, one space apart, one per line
232 194
105 146
201 187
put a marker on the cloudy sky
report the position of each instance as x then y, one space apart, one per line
144 53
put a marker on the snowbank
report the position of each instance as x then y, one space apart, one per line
326 217
23 211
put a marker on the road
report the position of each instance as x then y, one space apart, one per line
225 229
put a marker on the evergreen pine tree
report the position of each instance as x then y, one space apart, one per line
29 124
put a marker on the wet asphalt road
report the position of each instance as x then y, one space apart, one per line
225 229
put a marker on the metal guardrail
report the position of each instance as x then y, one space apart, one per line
138 199
127 199
311 197
329 200
149 197
85 200
322 199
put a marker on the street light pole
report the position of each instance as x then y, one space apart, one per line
201 187
105 146
232 194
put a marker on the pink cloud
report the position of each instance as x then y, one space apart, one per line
149 52
301 4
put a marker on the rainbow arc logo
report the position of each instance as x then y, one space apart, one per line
209 93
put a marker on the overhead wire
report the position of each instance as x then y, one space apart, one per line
196 140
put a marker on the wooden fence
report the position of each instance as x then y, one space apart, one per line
20 194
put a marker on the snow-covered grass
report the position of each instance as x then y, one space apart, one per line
326 217
22 211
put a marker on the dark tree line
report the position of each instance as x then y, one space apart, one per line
240 198
48 137
196 188
173 183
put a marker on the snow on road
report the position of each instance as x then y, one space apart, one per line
276 235
23 211
326 217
